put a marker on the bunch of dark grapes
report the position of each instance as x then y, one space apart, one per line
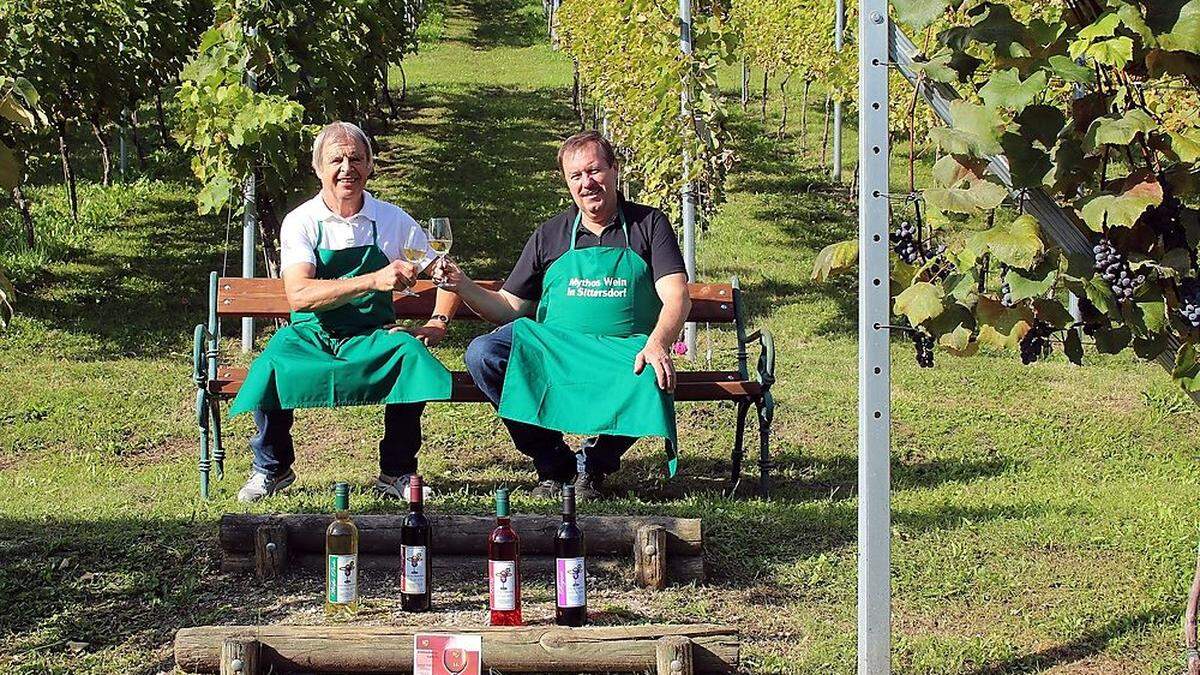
940 267
924 343
1189 302
1114 268
907 243
1036 346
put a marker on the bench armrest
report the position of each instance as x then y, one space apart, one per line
766 356
201 338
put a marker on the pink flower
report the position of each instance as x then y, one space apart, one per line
680 348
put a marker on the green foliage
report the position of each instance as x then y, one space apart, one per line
631 65
312 63
1101 111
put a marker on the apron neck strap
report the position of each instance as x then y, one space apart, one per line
579 219
320 234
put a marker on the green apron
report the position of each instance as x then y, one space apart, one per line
572 369
343 356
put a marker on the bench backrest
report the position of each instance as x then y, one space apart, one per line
265 298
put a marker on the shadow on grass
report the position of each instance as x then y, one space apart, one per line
143 288
1089 643
505 23
808 210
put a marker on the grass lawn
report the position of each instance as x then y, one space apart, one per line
1043 516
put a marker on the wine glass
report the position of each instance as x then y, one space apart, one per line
414 252
440 236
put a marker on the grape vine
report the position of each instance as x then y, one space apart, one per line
1098 105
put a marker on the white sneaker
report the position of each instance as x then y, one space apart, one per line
261 485
397 488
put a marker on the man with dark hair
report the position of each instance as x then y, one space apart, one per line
598 294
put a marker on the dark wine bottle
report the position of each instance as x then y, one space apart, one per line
570 607
416 542
504 568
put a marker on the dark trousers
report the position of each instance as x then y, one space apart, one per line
274 452
487 361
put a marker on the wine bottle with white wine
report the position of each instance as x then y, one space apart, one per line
341 557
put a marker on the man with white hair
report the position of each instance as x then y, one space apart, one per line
341 256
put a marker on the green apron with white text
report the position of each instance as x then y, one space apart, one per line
343 356
571 369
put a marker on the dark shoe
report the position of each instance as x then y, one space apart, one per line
588 486
547 489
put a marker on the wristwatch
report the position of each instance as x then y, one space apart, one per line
441 317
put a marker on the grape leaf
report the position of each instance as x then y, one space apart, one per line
1185 35
918 14
1027 163
1073 347
10 168
1123 210
976 131
919 302
1041 123
979 196
1187 368
1025 284
1000 326
951 169
1006 90
964 64
1052 312
1066 68
937 68
1186 145
1112 340
1151 347
1118 130
835 258
1016 244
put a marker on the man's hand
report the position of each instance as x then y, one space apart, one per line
659 358
430 334
397 275
447 275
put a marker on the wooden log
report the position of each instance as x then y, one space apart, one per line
270 551
680 569
673 656
372 649
239 656
463 535
650 557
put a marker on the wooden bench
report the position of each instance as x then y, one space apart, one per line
234 297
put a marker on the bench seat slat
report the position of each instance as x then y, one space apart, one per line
265 299
693 386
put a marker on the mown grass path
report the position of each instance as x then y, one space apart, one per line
1044 516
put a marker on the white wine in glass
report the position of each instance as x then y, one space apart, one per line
440 236
413 253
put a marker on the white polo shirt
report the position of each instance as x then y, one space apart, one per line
298 234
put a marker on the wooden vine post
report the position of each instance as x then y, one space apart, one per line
650 557
673 656
239 656
270 551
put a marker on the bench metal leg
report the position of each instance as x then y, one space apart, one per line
202 424
218 445
735 471
766 412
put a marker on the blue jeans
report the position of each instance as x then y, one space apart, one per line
487 361
274 452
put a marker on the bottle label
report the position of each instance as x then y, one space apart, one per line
503 584
414 564
343 579
572 582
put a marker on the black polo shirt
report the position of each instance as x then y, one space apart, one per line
650 236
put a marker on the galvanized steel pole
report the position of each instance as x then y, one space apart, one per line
688 195
874 362
839 27
249 231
